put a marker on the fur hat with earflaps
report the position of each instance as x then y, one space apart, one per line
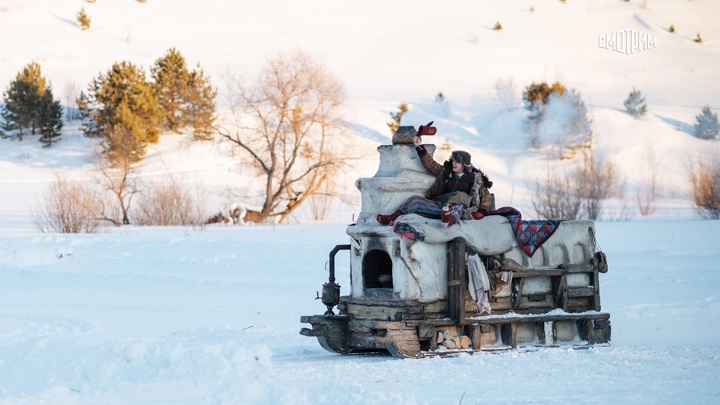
461 156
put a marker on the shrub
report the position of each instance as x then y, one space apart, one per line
705 177
397 117
698 39
671 29
69 208
497 26
171 203
83 19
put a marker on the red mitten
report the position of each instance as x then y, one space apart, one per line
427 129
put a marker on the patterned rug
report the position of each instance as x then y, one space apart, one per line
530 235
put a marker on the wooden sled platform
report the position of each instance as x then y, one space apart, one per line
541 307
442 337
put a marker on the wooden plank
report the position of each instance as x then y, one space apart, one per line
324 318
513 335
397 336
596 297
505 319
518 296
375 312
425 331
457 280
571 269
545 305
394 326
365 341
581 292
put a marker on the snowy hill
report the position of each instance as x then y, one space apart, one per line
180 315
386 54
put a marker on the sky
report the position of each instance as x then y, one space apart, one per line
207 316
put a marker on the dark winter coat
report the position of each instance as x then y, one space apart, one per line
473 182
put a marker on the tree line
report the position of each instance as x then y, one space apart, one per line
284 126
123 98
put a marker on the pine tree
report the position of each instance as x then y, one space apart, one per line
706 124
121 98
171 76
635 104
201 104
16 113
25 100
536 97
565 124
186 98
50 121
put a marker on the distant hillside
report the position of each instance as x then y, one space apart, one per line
386 54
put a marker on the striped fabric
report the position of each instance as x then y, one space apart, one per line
429 208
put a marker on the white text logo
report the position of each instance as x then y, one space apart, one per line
627 41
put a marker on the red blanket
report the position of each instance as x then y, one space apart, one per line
530 235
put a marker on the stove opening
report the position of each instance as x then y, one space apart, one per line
377 270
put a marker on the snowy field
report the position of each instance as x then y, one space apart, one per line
143 315
179 316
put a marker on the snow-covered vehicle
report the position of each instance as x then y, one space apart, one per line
411 296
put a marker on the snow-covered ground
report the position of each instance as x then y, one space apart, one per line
182 315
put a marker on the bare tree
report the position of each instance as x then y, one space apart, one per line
647 193
68 208
578 193
71 93
321 201
291 133
506 93
115 175
596 181
556 197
